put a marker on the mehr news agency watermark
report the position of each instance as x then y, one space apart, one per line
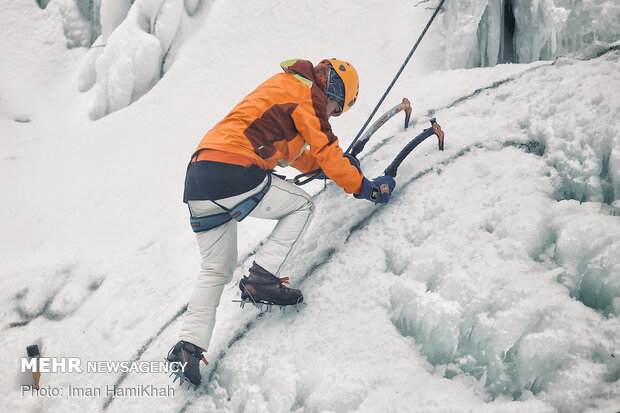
38 365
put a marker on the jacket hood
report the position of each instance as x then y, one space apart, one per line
304 68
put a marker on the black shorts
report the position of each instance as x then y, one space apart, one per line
209 180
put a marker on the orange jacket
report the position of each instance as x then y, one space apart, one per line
283 122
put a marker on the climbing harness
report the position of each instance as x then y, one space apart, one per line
238 212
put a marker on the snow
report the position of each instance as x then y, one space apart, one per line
490 282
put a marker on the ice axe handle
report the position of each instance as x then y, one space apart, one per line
435 129
33 352
358 144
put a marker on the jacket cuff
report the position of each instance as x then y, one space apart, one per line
364 192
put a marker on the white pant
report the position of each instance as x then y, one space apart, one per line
284 201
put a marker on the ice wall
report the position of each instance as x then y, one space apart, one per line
128 58
80 20
130 44
488 32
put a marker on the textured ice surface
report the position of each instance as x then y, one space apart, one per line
80 21
487 32
523 241
130 53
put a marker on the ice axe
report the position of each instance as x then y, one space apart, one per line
33 352
359 143
391 170
435 129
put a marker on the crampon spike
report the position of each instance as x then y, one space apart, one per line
268 307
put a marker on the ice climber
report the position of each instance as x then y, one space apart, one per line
283 122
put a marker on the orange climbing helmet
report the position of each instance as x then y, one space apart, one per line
348 75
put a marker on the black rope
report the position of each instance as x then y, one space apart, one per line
397 75
311 175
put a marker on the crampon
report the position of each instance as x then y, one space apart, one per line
264 290
266 306
191 355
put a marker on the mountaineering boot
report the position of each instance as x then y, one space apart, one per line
261 286
184 352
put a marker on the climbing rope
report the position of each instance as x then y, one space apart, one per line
402 67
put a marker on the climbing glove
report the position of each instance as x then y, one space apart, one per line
377 191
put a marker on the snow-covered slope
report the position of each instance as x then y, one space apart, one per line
491 282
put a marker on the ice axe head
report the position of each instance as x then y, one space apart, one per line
438 132
406 105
